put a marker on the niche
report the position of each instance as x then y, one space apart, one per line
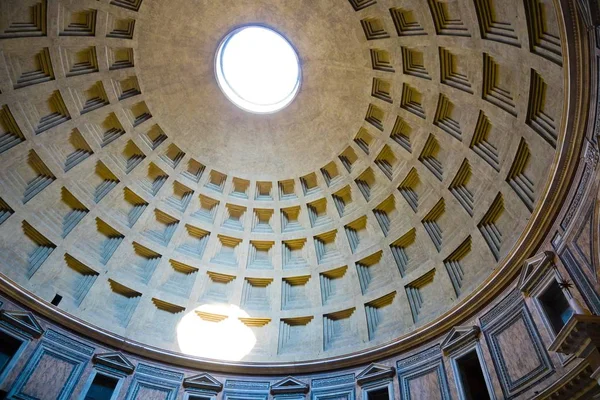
9 346
379 394
472 380
555 306
102 388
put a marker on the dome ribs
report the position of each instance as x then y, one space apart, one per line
374 29
481 145
517 177
234 217
172 156
539 114
542 26
121 303
256 293
262 221
74 92
447 18
413 63
49 113
337 329
495 88
348 158
31 66
180 197
290 221
446 117
161 228
153 180
120 58
400 251
154 137
28 175
401 133
227 251
411 101
10 133
134 207
333 284
79 60
372 273
309 184
193 242
375 116
381 316
331 174
429 157
264 191
343 201
488 226
385 212
261 254
358 5
431 224
294 292
216 181
406 23
317 213
5 211
460 187
294 254
133 5
28 18
453 265
359 235
287 189
138 114
207 209
381 60
76 280
382 90
194 170
218 287
293 334
495 21
387 162
127 87
180 279
142 263
408 189
452 72
78 22
416 290
120 28
326 247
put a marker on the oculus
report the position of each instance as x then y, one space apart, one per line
258 69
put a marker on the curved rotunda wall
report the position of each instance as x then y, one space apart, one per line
407 168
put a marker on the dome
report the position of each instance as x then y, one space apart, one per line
416 157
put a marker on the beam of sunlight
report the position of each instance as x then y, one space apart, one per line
215 331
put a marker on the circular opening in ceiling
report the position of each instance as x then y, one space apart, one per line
258 69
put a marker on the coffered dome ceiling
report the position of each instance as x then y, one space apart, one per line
413 162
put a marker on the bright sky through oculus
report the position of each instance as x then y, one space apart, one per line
258 69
